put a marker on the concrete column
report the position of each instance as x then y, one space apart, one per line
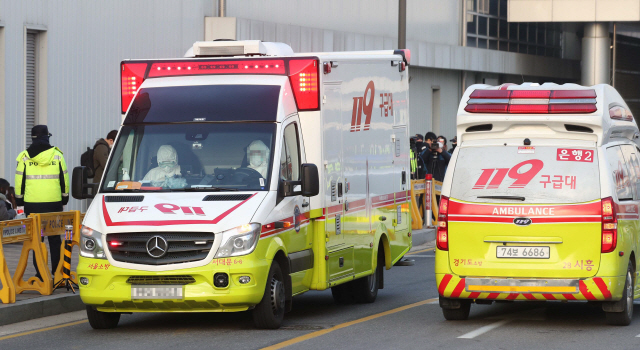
595 54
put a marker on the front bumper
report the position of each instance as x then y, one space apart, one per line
109 291
487 288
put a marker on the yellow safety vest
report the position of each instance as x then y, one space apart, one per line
38 178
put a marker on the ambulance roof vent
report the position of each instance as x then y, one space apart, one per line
227 48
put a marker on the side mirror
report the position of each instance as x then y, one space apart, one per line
80 183
310 180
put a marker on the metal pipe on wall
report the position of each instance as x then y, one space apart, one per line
402 24
613 67
222 8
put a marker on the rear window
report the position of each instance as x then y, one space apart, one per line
537 174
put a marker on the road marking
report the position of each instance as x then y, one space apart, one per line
316 334
483 330
423 256
42 322
43 329
421 251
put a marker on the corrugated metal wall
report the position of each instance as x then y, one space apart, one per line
421 86
85 42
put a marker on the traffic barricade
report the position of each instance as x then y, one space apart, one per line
436 190
53 224
417 212
27 232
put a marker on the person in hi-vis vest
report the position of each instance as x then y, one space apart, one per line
42 183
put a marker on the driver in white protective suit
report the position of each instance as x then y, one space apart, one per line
258 157
167 169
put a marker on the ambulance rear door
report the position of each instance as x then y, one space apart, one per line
526 211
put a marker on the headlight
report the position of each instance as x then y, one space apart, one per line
91 243
241 240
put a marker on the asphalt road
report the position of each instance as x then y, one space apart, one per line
406 315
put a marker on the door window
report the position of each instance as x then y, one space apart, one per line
619 173
290 155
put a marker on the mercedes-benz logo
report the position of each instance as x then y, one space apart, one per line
157 247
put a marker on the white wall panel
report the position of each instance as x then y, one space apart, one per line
86 40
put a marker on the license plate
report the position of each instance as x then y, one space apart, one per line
156 292
522 252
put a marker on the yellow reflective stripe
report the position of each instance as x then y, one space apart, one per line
65 172
19 172
25 159
42 177
57 157
65 195
19 195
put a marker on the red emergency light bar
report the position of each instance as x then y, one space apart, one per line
303 75
532 101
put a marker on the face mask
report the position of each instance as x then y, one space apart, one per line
256 158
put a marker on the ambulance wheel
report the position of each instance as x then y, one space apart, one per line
102 320
366 288
459 314
624 318
268 314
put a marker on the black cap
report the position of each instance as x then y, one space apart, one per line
419 136
40 130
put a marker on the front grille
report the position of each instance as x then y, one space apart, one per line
175 280
226 197
131 247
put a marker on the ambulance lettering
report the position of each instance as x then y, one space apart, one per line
167 208
517 211
522 179
364 105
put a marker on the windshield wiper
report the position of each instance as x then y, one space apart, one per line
204 189
515 198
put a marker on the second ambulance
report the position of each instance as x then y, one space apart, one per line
540 201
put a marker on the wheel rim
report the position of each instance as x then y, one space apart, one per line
629 295
277 296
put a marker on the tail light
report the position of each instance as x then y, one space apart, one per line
132 76
532 101
442 241
303 75
609 225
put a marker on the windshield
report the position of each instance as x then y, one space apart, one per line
526 174
191 157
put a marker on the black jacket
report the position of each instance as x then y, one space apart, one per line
437 167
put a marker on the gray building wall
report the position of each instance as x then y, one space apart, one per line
84 42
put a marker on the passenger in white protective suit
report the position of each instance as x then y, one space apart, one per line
167 168
258 157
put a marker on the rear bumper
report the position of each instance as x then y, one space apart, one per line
109 291
486 288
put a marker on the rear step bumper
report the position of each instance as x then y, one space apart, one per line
484 288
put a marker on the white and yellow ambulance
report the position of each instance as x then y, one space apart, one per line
540 200
243 175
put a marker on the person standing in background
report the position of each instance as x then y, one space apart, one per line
101 154
42 183
7 208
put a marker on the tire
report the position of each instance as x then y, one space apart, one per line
624 318
366 288
460 314
269 313
102 320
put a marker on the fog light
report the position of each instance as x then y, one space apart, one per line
221 280
244 279
84 281
89 244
